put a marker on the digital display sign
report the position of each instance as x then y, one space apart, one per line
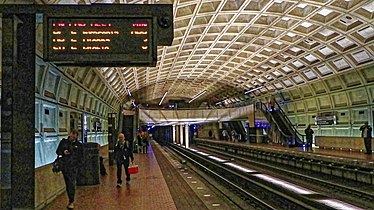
100 41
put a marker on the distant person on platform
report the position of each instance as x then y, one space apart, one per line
366 134
210 133
123 152
225 135
71 151
145 141
233 135
309 138
139 142
272 103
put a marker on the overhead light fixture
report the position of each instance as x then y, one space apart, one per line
250 91
162 99
128 91
197 96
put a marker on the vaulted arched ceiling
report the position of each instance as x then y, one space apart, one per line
227 47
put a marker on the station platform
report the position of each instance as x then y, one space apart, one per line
162 182
320 151
147 189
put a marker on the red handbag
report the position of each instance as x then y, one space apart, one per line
133 169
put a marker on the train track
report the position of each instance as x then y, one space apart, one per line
234 202
259 190
320 182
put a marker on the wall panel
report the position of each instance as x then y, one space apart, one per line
358 96
324 102
50 85
311 104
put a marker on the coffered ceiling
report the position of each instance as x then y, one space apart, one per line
227 47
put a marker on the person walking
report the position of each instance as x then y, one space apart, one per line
366 130
145 141
71 151
139 142
309 138
123 152
210 133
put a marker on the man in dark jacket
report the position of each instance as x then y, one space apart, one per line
71 151
366 134
123 151
309 138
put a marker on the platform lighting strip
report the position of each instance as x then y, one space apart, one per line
284 184
162 99
329 202
246 170
218 103
250 91
338 204
203 153
197 96
217 159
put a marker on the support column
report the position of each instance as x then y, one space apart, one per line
181 134
18 112
216 131
174 132
128 126
187 135
177 141
112 137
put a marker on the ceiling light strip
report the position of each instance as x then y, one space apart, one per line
249 91
128 91
162 99
197 96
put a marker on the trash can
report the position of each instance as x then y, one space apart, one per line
89 172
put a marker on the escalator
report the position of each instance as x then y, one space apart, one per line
238 127
240 130
276 116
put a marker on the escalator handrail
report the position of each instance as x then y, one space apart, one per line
265 110
289 122
240 127
276 123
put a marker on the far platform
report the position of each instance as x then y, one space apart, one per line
346 157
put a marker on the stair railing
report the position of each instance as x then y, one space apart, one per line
265 110
295 131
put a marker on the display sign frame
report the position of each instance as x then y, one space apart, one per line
326 118
99 58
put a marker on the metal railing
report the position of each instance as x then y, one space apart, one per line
295 133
